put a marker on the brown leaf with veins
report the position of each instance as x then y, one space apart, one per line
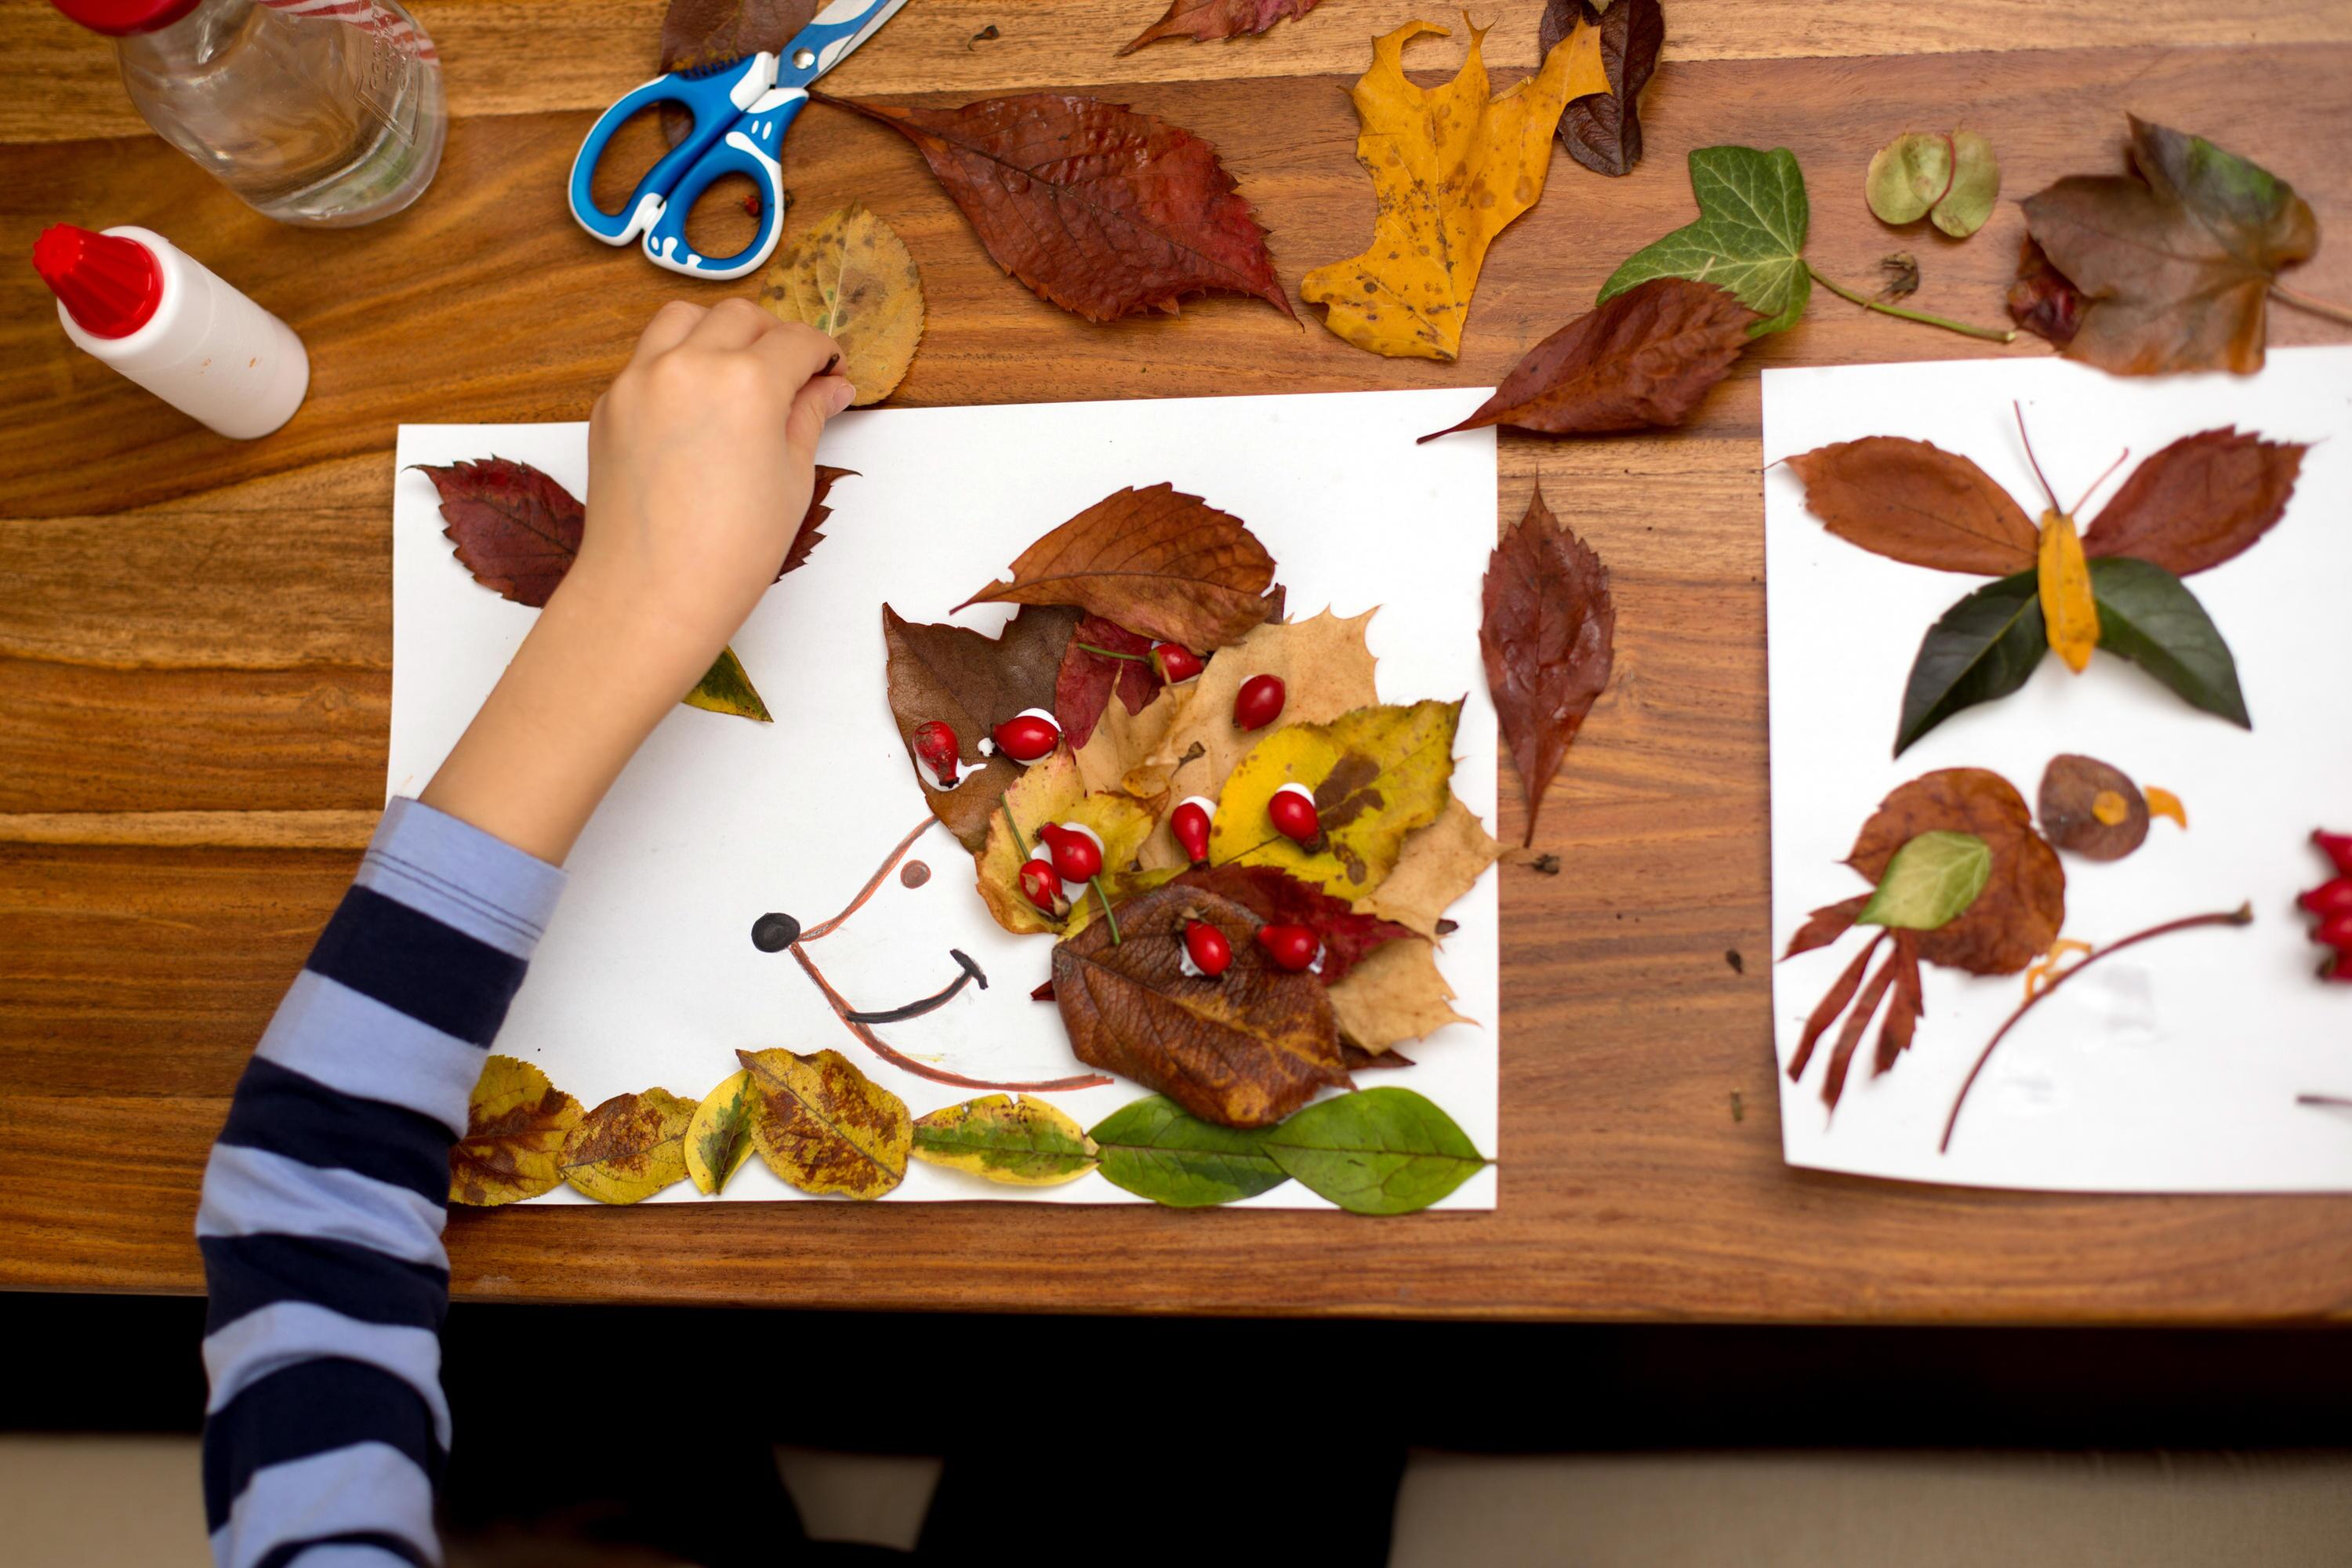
1639 360
1100 210
697 33
1395 995
2198 501
1603 130
1083 688
1277 898
1207 20
1244 1049
629 1148
1549 639
1167 564
822 1126
2017 916
1914 502
971 682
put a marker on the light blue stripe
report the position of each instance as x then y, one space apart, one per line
252 1191
354 1044
364 1487
349 1556
241 1354
461 876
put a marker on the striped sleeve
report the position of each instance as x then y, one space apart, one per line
323 1201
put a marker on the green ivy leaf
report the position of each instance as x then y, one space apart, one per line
2150 616
1983 649
726 688
1930 883
1155 1149
1378 1151
1750 236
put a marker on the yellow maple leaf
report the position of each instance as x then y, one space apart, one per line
516 1124
1450 169
1376 774
851 278
1052 791
1027 1143
825 1127
629 1148
2069 614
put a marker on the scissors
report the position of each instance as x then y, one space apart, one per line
741 109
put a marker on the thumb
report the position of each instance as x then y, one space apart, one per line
820 400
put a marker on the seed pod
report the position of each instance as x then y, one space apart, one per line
1175 663
1029 736
2337 846
1291 947
1292 812
1206 949
1259 702
2090 808
1190 823
1041 886
937 749
2330 898
1077 852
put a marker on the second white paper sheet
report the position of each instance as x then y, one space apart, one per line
648 975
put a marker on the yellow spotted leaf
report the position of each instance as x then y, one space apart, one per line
825 1127
1439 864
516 1123
718 1139
629 1148
2069 615
1325 669
1450 170
1025 1143
1376 774
1395 995
851 278
1048 792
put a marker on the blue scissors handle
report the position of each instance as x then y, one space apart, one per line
721 103
752 146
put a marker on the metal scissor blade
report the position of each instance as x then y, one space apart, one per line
828 39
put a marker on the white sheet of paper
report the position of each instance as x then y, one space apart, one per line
648 975
2171 1067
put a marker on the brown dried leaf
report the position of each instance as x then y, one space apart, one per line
629 1148
1911 501
1394 995
1904 1004
1102 211
2017 916
1439 864
1842 1056
1549 639
825 1127
1603 130
971 682
1165 564
2076 819
2199 502
1205 20
516 1124
1639 360
1826 924
1244 1049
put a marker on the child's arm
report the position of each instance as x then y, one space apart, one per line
324 1198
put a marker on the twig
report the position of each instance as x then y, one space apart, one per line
2313 303
2019 409
1108 914
1990 335
1018 842
1111 652
2242 915
2332 1101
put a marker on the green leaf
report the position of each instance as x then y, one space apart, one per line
2150 616
1976 186
725 689
1027 1143
1155 1149
1750 236
1931 882
1378 1151
1983 649
1907 176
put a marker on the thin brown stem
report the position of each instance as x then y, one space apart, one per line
1108 913
1111 652
2313 303
2242 915
2020 410
2332 1101
1990 335
2103 478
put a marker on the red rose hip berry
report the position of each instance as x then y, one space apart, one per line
1259 702
1077 853
1291 947
937 749
1175 663
1190 823
1029 736
1041 886
1292 812
1206 948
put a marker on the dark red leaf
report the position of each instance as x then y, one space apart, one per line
1604 130
1826 924
1102 211
2198 501
2041 300
1548 637
1832 1003
1210 19
516 530
1355 1058
1277 898
1903 1010
805 541
1842 1058
1083 688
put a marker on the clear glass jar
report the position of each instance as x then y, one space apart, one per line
314 120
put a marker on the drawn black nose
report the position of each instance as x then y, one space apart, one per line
774 932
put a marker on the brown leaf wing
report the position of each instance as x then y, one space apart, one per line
1914 502
1548 637
2198 501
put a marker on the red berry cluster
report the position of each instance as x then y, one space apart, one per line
2331 901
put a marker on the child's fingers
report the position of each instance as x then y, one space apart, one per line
820 400
736 323
668 329
797 352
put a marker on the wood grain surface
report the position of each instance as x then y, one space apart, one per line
196 647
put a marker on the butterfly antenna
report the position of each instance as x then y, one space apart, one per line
2031 457
2103 478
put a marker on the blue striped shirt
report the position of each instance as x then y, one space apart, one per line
323 1201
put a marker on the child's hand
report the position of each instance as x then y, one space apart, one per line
700 460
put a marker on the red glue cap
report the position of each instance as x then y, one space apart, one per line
118 17
110 285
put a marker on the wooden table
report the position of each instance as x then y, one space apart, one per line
196 649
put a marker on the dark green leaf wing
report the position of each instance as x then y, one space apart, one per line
1983 649
2150 616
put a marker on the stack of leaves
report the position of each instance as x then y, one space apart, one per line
2117 585
1105 600
824 1127
2167 268
517 531
1603 130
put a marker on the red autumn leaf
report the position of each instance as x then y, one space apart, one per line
1912 501
1548 637
1277 898
1856 1021
698 33
2198 501
1083 688
1244 1049
971 682
2017 916
1102 211
2041 300
1832 1003
1907 1001
1164 563
1826 924
1639 360
1603 130
518 531
1210 19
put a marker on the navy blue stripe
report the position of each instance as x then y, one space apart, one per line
280 1556
246 1273
412 962
290 1113
311 1407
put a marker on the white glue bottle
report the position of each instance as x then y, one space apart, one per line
133 298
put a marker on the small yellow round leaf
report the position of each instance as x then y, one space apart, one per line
629 1148
851 278
516 1124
